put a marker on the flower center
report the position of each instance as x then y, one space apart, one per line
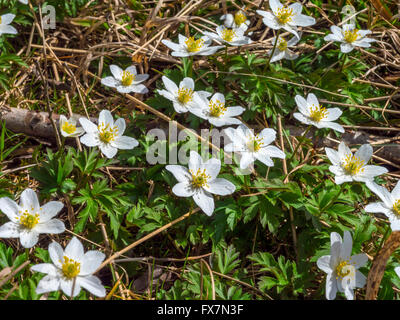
185 95
68 127
199 178
351 35
194 45
353 165
284 15
255 143
106 133
239 18
217 108
27 219
282 44
317 113
396 208
127 78
228 34
343 269
70 268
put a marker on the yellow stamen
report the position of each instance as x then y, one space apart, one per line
185 95
317 113
396 208
127 78
106 133
352 165
217 108
255 143
228 34
199 178
284 15
70 268
351 35
27 219
239 18
339 269
282 44
68 127
194 45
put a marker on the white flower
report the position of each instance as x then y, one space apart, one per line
23 1
215 111
282 50
68 127
311 112
234 37
239 20
286 17
190 47
29 219
348 167
107 135
5 20
182 97
126 81
69 266
200 181
341 267
253 147
390 206
350 37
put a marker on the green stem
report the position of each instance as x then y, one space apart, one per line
300 143
190 73
343 62
273 50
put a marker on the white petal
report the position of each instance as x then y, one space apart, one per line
246 160
171 45
312 100
347 245
121 125
106 117
110 82
344 150
93 285
274 152
8 29
333 114
131 70
7 18
301 118
90 140
395 192
88 125
108 150
29 200
183 189
330 287
50 210
221 187
10 208
205 201
303 20
333 156
277 55
212 167
56 254
124 143
382 193
48 283
361 280
342 179
180 173
302 105
233 111
195 161
52 226
28 238
370 172
346 47
268 135
275 5
264 157
377 207
116 71
187 83
66 287
47 268
331 125
74 250
9 230
324 264
91 261
359 260
270 20
348 292
364 153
